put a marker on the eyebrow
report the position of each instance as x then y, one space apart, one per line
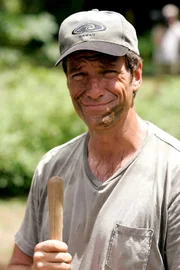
78 68
105 62
74 69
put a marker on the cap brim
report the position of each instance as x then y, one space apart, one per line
98 46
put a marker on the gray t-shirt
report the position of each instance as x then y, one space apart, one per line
129 222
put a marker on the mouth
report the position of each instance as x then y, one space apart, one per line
96 106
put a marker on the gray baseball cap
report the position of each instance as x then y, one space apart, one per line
102 31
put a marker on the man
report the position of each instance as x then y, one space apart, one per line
121 178
166 40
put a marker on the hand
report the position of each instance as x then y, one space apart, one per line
51 254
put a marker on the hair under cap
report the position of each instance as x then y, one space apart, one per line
102 31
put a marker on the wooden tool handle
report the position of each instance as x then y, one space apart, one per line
55 201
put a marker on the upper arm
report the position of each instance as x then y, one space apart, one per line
19 257
173 235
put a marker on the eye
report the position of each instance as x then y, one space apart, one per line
78 76
109 73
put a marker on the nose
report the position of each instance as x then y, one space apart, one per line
94 88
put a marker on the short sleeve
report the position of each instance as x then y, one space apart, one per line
27 236
173 232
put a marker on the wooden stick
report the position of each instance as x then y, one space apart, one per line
55 201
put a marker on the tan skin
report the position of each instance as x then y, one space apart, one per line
102 94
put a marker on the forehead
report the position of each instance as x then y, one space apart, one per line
80 56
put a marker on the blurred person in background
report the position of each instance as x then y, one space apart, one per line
166 42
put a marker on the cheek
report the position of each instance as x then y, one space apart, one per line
75 90
116 86
111 85
123 86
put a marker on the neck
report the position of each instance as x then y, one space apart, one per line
128 135
110 149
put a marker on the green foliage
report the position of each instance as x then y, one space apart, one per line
158 102
36 114
21 29
23 35
22 6
146 50
12 6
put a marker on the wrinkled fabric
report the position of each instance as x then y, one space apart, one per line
129 222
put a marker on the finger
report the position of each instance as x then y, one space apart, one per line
59 257
51 246
52 266
52 257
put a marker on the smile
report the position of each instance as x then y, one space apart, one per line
96 107
94 104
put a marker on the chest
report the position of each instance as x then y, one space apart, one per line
130 199
114 221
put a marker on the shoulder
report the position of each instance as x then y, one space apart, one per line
176 28
59 155
178 24
65 147
164 138
167 156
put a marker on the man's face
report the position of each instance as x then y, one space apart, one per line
101 88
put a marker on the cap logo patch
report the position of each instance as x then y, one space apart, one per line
89 27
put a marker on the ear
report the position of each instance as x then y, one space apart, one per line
137 77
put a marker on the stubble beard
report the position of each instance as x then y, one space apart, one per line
110 117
